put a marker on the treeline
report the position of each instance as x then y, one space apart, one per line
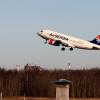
40 83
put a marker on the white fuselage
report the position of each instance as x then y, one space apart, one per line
68 41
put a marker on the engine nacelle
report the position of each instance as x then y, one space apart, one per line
53 42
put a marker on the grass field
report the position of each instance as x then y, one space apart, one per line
31 98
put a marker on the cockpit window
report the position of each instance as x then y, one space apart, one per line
41 30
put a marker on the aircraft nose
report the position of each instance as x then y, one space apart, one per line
38 33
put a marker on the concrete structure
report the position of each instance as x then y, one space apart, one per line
62 89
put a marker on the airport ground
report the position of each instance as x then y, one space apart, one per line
32 98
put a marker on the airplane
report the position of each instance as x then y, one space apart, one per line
58 39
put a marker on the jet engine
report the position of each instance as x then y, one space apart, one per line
53 42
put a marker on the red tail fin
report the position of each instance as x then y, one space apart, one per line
96 40
98 37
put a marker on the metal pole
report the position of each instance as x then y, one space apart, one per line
69 66
1 95
24 96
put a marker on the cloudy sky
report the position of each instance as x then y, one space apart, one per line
20 20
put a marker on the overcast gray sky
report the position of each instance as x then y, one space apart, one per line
20 20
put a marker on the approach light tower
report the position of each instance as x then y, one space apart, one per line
69 66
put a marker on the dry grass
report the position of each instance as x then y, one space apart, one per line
32 98
84 99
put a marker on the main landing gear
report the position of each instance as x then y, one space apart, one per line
71 49
63 49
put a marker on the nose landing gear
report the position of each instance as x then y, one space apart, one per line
45 42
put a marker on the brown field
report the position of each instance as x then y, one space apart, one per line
32 98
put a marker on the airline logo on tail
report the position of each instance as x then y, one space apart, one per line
96 40
98 37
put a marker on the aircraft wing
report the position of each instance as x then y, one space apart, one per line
58 42
68 44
